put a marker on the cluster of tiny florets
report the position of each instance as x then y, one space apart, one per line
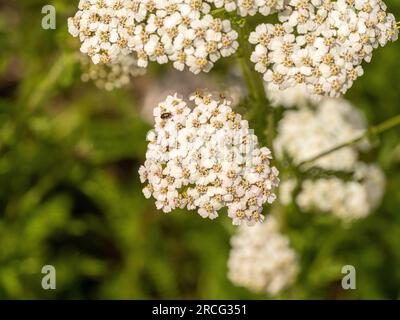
207 159
250 7
321 44
347 200
181 31
309 131
112 75
313 129
261 258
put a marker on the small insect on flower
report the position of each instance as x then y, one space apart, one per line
166 115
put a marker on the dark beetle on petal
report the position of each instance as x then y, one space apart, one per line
166 115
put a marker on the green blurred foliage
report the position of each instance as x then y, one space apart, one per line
70 195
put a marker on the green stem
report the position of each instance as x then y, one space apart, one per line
385 125
247 75
40 92
263 123
44 87
375 130
217 11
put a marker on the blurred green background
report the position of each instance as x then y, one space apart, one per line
70 194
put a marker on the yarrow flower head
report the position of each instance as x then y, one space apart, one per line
347 200
309 131
113 75
316 128
181 31
206 159
321 44
261 259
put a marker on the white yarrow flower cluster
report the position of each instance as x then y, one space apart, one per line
113 75
348 200
250 7
321 44
181 31
261 259
316 128
206 159
305 133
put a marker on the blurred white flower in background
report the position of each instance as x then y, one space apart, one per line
305 133
316 126
261 258
113 75
293 97
348 200
207 159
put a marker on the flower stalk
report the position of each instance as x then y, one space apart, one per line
375 130
261 115
48 83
